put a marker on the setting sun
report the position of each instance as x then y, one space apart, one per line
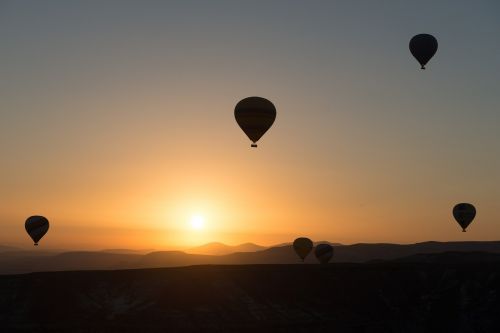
197 222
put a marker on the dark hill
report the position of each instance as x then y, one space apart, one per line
31 261
5 248
218 249
452 258
383 297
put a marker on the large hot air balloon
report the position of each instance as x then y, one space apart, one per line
323 252
302 247
37 227
255 115
423 47
464 213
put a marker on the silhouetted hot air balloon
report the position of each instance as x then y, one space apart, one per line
323 252
37 227
255 115
423 47
302 247
464 213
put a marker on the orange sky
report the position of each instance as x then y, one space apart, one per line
118 126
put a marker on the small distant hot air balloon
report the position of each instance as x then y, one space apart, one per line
323 252
303 246
255 115
37 227
464 213
423 47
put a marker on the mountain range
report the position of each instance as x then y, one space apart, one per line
218 249
12 262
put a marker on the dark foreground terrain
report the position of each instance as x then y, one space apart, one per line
436 295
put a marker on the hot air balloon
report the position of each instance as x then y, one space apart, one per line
323 252
255 115
36 226
464 213
423 47
302 247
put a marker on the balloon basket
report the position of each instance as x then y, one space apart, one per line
253 145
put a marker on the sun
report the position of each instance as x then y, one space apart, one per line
197 222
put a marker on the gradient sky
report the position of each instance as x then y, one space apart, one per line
116 121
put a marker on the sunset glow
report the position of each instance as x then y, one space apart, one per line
119 126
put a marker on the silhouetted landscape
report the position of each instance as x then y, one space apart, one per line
216 248
423 287
249 166
16 261
444 292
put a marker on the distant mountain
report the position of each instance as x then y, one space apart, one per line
218 249
32 261
175 258
315 243
127 251
397 297
4 248
381 251
327 242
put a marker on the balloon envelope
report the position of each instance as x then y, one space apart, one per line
323 252
423 47
255 115
464 213
302 246
36 226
